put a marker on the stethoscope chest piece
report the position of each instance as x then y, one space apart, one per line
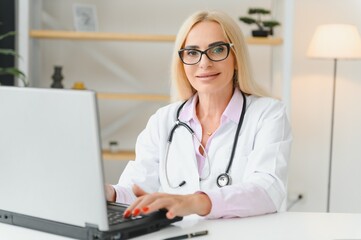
223 180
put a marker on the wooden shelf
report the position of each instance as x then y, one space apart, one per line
101 36
120 155
108 36
135 96
264 41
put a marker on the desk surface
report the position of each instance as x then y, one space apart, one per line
280 226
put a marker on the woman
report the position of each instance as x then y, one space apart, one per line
235 164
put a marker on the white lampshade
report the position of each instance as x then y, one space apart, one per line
336 41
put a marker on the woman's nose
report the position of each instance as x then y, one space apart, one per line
205 61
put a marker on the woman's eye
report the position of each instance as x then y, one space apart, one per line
218 50
192 53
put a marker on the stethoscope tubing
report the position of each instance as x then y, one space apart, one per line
167 152
235 142
224 176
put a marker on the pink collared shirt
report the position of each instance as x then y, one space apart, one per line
231 113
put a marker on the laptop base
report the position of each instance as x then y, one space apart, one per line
85 233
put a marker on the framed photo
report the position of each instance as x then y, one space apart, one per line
85 17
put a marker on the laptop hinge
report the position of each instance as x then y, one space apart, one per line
92 231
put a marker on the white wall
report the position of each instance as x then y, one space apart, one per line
311 113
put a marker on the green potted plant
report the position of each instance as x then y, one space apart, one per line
265 28
11 70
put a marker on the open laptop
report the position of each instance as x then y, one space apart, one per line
51 172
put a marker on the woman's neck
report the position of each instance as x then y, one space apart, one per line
209 110
212 106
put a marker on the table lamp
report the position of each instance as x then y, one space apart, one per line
334 41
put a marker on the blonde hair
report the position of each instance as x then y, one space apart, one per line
242 77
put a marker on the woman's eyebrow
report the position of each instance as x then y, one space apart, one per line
191 47
215 43
209 45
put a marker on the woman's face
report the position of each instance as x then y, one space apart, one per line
208 76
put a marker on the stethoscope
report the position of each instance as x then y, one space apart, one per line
223 179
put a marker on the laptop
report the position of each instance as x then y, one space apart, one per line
51 172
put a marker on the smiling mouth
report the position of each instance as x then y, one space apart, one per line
208 75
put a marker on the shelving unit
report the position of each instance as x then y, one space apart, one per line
108 36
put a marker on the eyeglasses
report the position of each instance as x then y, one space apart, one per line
215 53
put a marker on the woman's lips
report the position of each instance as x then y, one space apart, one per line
207 75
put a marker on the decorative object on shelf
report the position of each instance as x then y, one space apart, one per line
79 86
265 28
85 17
334 41
57 77
113 146
11 70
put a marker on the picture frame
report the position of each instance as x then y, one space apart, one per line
85 17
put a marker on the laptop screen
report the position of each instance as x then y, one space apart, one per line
50 156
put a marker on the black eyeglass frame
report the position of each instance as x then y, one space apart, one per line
228 45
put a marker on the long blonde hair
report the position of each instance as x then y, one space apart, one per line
242 77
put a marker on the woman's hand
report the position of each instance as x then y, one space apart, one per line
110 193
176 205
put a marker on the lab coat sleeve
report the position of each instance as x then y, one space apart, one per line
144 171
264 185
242 200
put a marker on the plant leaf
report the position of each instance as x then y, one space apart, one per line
258 11
8 52
271 24
247 20
15 72
11 71
8 34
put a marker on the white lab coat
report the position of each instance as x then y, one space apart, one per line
261 157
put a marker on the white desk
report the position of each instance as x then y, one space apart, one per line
280 226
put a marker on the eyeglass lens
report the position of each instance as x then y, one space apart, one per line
216 53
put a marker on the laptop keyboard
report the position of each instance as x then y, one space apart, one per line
116 217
